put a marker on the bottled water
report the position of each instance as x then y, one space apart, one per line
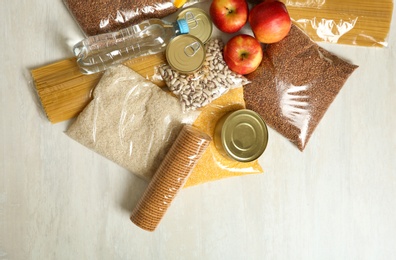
97 53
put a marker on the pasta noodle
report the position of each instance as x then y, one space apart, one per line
64 91
353 22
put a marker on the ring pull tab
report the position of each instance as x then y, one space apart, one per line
191 49
190 17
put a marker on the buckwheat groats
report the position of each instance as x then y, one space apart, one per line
295 85
101 16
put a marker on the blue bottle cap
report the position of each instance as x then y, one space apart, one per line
183 25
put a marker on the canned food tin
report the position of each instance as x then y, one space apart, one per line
185 53
198 21
241 135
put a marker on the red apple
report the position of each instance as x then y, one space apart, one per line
270 21
243 54
229 16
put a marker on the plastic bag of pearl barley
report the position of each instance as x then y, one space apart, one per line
210 82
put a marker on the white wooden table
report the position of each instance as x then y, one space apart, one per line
336 200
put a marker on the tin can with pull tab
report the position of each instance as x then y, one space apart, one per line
241 135
199 23
185 54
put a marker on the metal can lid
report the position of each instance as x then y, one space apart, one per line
185 53
243 135
199 23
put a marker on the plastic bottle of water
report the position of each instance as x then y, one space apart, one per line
99 52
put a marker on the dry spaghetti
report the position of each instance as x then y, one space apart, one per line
353 22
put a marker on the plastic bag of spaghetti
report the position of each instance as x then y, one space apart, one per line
211 81
102 16
362 23
130 121
64 91
295 84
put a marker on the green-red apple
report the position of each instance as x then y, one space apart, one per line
270 21
243 54
229 16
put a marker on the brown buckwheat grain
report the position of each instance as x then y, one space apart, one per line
101 16
295 85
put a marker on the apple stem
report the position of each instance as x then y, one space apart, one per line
244 55
229 10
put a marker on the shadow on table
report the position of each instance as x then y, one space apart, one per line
133 193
